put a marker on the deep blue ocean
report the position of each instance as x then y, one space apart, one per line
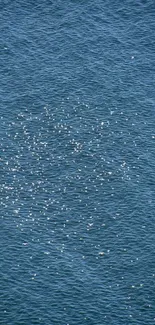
77 162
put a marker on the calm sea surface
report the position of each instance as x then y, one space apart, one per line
77 162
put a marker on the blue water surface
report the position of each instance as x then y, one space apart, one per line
77 162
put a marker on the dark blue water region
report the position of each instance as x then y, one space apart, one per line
77 162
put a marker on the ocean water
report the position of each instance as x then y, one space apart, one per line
77 162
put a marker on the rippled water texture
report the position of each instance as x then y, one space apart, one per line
77 162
